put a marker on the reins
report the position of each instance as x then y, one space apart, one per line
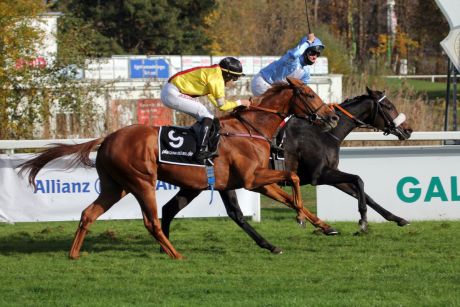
357 122
312 115
296 93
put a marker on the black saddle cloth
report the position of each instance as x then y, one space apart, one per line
177 145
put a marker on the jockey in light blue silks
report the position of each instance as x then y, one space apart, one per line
293 64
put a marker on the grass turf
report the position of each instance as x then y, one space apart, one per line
121 265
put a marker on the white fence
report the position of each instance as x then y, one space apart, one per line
11 145
431 77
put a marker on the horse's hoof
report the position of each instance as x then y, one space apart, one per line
276 250
302 223
403 222
330 231
360 233
363 226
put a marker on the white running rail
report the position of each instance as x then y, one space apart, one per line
11 145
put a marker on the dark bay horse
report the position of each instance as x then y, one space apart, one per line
314 156
127 159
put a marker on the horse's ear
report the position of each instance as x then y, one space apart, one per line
372 93
294 82
369 91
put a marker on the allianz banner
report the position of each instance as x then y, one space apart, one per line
415 183
62 195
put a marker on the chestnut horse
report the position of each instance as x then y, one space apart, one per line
314 156
127 159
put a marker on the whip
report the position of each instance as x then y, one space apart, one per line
306 13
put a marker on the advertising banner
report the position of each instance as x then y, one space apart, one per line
148 68
415 183
62 195
190 61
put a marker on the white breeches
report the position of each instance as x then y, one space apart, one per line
259 85
174 99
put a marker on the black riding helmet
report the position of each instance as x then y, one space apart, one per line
231 69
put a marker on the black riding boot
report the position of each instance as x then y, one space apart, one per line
202 145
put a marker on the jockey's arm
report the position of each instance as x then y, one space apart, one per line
298 50
223 104
217 89
306 75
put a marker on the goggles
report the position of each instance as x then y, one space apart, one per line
313 52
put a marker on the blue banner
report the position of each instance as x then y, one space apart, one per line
148 68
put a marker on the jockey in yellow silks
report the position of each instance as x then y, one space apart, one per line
183 89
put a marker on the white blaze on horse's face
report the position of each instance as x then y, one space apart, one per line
401 118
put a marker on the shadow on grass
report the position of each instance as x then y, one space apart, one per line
27 243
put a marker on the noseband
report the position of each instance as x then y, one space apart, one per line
389 124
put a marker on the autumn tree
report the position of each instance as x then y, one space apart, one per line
31 89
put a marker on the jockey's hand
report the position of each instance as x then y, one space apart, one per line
245 102
311 37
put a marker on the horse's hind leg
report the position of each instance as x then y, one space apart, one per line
275 192
110 194
147 199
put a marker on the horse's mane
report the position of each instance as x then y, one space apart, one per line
275 89
353 100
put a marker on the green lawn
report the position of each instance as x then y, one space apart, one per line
308 197
418 265
432 89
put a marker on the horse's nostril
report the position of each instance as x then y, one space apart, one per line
334 118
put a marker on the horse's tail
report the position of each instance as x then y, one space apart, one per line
81 152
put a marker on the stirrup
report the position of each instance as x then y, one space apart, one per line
202 155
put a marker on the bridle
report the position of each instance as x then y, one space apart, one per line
391 126
305 107
312 113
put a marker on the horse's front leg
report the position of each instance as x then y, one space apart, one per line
174 205
277 193
348 188
334 176
234 212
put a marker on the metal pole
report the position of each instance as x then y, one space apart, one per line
454 101
446 110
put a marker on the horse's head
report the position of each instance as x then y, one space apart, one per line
307 104
386 117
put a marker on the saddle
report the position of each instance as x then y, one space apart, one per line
177 144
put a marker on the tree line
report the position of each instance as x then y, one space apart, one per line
355 33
